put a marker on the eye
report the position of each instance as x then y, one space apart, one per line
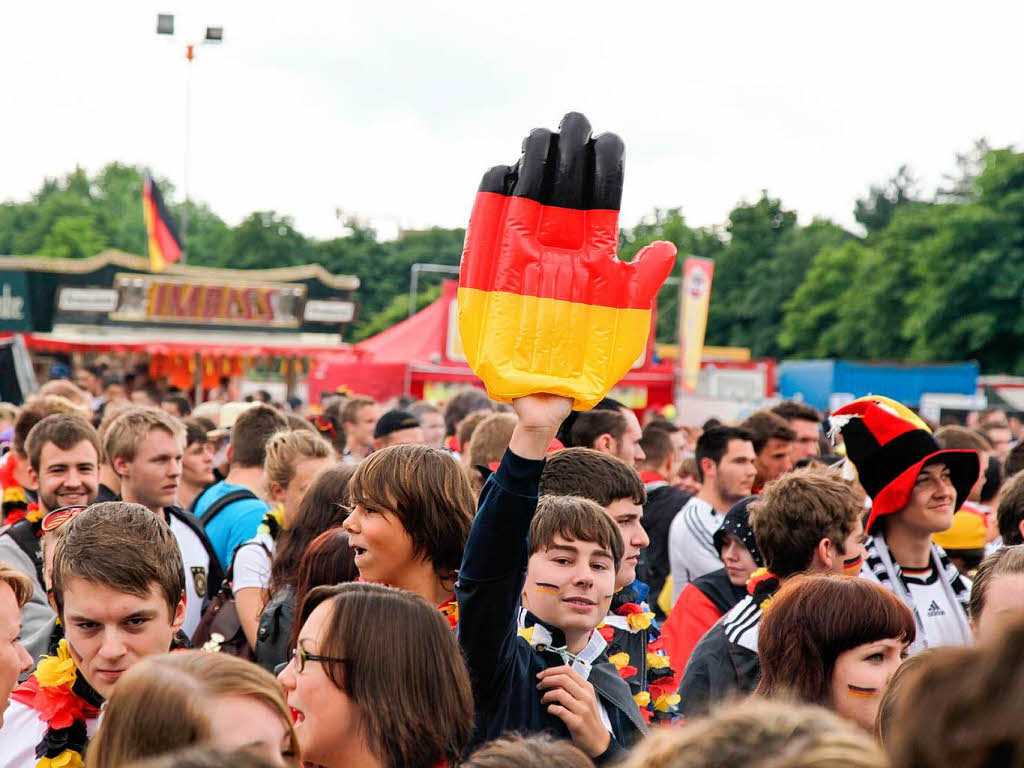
137 622
87 625
599 567
562 560
876 657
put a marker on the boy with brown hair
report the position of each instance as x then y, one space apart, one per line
773 446
563 566
119 588
359 420
807 520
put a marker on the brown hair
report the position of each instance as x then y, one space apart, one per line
414 698
125 433
796 512
64 430
327 560
760 734
37 408
324 506
590 425
461 405
764 426
163 703
518 751
593 475
205 757
353 406
791 410
656 444
813 619
894 691
1015 459
689 468
67 389
960 708
285 449
490 438
251 432
122 546
468 427
299 424
1010 511
17 581
575 519
196 431
962 438
1007 560
429 494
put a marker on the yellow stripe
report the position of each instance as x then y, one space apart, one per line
521 345
156 257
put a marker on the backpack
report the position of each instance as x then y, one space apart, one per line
218 506
221 616
275 627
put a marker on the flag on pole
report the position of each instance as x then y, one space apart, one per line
695 298
164 243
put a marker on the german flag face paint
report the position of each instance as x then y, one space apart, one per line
857 692
851 567
544 303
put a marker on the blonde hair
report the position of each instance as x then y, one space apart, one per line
162 704
760 734
122 437
286 449
17 581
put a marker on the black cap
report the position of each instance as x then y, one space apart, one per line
394 421
737 522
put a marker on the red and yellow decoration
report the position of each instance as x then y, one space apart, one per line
16 505
164 244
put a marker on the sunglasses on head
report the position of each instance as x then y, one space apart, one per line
58 517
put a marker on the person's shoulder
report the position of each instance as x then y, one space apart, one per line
21 732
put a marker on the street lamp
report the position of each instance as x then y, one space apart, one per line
214 36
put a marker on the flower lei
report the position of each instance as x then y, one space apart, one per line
450 610
64 702
656 694
762 585
15 504
273 522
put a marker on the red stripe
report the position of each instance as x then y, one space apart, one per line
169 250
516 245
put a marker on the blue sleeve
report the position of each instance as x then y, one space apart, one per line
493 569
243 525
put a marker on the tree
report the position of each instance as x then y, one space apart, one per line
265 240
72 237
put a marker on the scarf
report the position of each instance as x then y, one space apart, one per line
884 568
16 503
272 523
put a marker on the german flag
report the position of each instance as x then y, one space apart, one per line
164 243
544 304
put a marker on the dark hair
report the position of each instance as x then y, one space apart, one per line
414 699
791 410
461 405
714 444
764 426
1005 560
993 480
468 427
181 404
64 430
813 619
1014 460
590 425
575 519
251 432
656 445
327 560
195 431
593 475
353 406
518 751
324 506
796 512
427 492
1010 511
35 409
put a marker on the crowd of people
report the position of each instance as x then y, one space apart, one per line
247 583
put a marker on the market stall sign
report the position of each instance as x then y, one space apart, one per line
180 300
14 315
329 311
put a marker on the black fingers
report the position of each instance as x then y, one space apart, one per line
609 165
500 179
575 163
535 175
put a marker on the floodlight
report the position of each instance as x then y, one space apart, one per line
165 23
214 35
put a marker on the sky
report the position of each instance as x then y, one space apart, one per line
391 111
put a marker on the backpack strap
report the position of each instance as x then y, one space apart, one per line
215 572
228 498
23 535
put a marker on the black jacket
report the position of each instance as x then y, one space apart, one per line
502 666
725 663
663 503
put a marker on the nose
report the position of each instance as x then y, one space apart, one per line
349 524
640 455
583 575
641 539
286 677
24 659
113 646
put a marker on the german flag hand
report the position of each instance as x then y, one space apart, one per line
544 303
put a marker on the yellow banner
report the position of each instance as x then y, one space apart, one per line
694 299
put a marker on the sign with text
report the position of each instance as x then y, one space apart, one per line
14 315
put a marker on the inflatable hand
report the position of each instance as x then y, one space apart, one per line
544 304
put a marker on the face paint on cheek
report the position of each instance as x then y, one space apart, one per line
546 589
852 566
857 692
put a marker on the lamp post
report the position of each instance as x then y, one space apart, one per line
215 36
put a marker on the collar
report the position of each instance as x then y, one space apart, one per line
549 640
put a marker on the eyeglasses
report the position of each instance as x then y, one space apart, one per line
300 656
58 517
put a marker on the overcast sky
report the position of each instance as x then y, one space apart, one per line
392 110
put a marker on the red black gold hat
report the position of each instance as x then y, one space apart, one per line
889 453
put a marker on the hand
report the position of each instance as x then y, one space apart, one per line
573 700
539 417
544 304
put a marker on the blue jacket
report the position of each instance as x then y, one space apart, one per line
502 666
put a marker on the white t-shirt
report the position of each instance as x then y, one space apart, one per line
691 545
252 563
197 571
21 733
938 618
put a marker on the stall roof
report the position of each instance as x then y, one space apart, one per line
240 345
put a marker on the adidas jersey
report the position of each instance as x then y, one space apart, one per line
742 623
938 618
691 545
201 580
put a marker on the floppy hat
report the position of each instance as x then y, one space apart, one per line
968 532
890 451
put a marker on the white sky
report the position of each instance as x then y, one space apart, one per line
392 110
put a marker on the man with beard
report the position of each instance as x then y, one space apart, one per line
725 461
63 463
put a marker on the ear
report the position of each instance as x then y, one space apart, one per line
604 443
121 465
179 613
824 556
1020 527
277 492
230 453
665 470
707 467
33 476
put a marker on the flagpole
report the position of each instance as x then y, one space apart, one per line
189 55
